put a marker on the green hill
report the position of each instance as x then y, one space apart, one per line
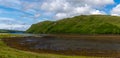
84 24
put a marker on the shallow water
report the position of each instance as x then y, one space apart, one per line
64 44
61 45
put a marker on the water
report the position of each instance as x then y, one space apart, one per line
73 45
64 44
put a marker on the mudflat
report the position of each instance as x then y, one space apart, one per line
85 45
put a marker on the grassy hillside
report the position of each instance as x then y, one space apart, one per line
91 24
7 52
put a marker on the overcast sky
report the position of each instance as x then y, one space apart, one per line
20 14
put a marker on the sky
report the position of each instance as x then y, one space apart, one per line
21 14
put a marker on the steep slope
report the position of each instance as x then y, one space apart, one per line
84 24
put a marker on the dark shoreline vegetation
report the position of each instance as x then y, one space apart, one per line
84 24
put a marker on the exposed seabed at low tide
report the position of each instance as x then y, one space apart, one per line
87 45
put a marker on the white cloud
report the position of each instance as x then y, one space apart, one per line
83 10
69 8
98 3
116 10
10 23
14 27
98 12
63 8
37 15
55 5
11 3
61 15
54 9
6 19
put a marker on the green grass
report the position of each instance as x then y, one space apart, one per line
85 24
7 52
5 35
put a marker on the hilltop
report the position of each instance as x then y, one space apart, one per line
84 24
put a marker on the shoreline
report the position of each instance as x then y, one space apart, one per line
99 36
15 43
